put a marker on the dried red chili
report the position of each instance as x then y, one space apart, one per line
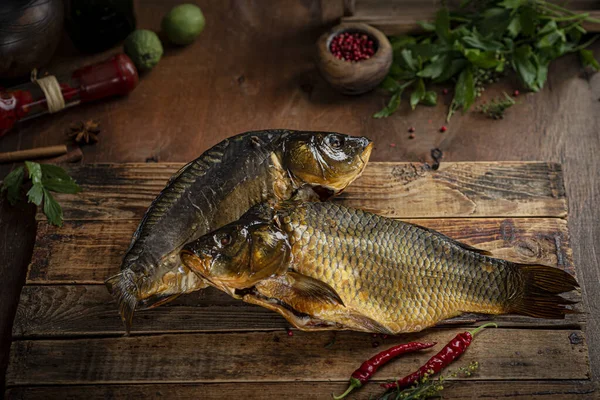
369 367
449 353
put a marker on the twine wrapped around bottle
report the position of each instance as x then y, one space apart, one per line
52 92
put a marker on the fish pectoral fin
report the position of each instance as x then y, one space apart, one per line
305 288
301 321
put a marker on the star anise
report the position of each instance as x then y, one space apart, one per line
84 132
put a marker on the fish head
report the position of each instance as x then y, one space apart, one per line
238 255
327 160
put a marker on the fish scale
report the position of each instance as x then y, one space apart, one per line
412 277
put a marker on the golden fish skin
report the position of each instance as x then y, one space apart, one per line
406 278
217 188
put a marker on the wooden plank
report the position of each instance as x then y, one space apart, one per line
515 354
80 310
87 252
533 390
402 190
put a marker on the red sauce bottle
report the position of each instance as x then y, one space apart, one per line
115 76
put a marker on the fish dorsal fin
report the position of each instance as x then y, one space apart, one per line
293 287
456 242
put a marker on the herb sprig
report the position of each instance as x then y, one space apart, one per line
428 388
476 45
45 178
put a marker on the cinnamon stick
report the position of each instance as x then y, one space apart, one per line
73 155
32 154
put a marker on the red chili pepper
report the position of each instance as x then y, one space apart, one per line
449 353
369 367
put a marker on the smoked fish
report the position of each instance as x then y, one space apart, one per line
216 189
326 266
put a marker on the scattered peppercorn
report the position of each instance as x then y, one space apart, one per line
411 136
374 335
352 46
392 144
290 332
443 128
411 129
375 344
516 93
445 91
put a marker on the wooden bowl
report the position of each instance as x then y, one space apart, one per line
354 77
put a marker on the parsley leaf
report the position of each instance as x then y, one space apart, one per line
45 178
12 184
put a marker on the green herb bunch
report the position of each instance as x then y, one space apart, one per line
479 43
45 178
428 388
495 109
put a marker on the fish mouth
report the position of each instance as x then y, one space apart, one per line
198 264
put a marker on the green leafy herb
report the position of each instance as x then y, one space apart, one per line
428 388
45 178
495 109
12 184
472 46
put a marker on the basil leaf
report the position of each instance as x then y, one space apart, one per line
528 19
427 26
52 209
417 94
430 98
442 25
511 4
35 171
456 65
588 60
464 92
35 194
495 21
486 59
12 184
476 41
407 59
391 107
390 84
435 67
514 28
56 179
400 42
400 74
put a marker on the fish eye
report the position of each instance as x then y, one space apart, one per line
335 141
223 239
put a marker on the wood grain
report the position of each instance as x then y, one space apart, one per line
89 310
257 72
90 251
516 354
463 390
401 190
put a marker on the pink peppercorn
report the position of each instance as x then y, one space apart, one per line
352 47
516 93
445 91
411 129
443 129
290 333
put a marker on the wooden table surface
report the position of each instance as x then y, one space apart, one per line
252 68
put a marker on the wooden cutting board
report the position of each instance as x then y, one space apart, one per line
68 338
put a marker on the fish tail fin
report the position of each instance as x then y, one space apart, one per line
539 296
124 290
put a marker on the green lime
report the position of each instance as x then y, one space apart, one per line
144 48
183 24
